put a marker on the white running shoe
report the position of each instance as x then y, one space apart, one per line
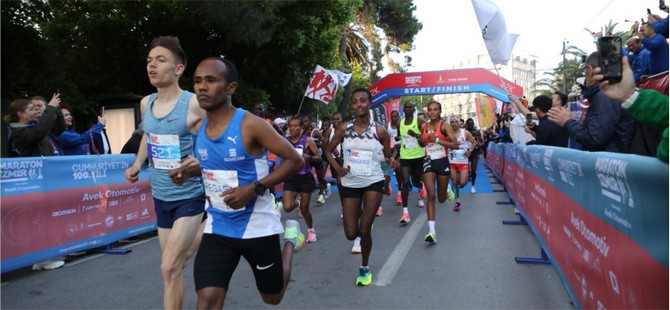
321 199
356 249
472 190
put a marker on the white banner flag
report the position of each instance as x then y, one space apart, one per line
323 84
498 42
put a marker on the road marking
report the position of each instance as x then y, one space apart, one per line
390 268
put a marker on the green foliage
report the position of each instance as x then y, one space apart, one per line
94 49
90 50
392 18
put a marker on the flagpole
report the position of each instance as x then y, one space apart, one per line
502 85
300 107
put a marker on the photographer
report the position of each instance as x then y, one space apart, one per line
607 127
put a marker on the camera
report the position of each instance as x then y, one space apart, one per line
609 58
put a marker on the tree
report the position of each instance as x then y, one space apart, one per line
376 22
94 49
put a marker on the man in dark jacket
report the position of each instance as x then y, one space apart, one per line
607 127
547 132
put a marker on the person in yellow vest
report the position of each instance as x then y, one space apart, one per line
411 158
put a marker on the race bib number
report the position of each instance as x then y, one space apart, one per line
164 151
359 162
410 142
300 150
217 182
436 151
458 156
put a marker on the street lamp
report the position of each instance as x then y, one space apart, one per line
565 69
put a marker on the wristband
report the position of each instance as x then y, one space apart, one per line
629 102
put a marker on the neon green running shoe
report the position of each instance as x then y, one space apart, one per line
430 238
364 277
293 234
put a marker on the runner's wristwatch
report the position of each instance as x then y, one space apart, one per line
260 188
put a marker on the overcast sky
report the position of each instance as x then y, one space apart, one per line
451 32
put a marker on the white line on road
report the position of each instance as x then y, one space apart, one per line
390 268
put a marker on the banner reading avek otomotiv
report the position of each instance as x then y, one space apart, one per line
603 218
52 206
442 82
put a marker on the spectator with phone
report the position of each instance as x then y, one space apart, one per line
657 46
30 128
647 106
100 144
638 57
607 127
40 104
547 132
660 24
74 143
29 137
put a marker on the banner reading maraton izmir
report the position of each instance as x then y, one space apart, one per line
52 206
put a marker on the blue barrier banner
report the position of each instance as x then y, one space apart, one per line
53 206
603 218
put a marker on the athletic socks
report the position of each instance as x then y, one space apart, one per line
431 227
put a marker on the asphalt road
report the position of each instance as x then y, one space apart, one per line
471 267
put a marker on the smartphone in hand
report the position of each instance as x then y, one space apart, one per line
609 58
529 119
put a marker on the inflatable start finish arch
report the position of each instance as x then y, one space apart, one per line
439 82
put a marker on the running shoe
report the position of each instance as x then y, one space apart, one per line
364 277
405 218
457 207
380 211
422 193
311 236
293 234
398 200
421 204
472 190
516 210
430 238
356 249
328 190
389 191
321 198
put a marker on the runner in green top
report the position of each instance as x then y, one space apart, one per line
411 158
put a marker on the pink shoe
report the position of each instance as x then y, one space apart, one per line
405 218
311 236
422 193
399 199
